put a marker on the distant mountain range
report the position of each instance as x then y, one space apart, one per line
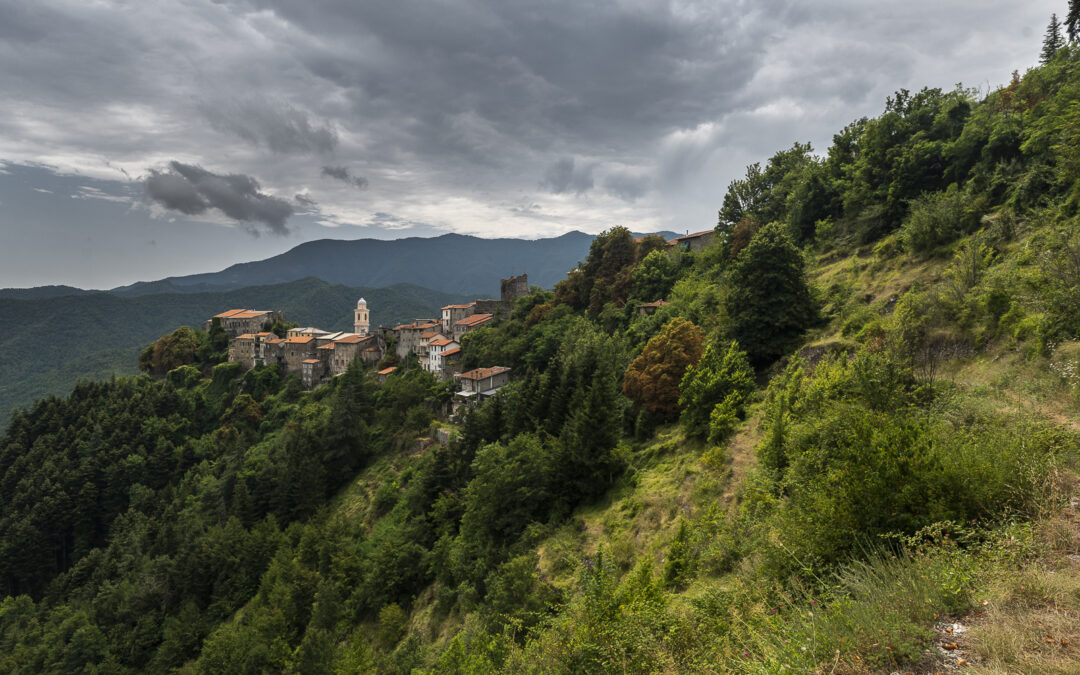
454 263
50 341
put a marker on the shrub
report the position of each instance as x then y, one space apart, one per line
939 218
722 378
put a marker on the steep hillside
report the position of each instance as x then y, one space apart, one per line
846 442
50 343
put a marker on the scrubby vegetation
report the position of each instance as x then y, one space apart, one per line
850 428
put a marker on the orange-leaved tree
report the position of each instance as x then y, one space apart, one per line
652 380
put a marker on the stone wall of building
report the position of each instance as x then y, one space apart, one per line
513 288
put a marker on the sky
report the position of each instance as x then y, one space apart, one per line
143 139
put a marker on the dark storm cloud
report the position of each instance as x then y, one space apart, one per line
193 190
565 176
342 174
278 126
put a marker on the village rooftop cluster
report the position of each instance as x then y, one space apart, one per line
316 355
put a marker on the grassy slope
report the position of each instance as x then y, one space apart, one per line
1027 598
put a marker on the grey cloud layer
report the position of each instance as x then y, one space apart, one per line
631 111
192 190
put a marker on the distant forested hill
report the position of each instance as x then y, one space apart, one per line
49 343
452 262
41 292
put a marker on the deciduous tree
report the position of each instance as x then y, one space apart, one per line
652 380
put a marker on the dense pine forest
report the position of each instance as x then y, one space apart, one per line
850 430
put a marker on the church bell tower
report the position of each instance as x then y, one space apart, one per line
361 321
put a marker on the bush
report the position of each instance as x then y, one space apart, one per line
722 378
939 218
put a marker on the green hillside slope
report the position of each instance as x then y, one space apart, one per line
846 443
50 343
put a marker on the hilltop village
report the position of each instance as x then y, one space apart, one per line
316 355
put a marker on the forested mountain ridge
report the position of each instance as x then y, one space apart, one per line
847 443
454 263
51 342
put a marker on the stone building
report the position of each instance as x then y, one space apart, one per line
244 321
297 349
470 323
509 291
692 242
651 307
451 314
247 349
408 335
480 383
344 350
311 372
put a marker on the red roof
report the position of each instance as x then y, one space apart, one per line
459 306
245 336
299 340
430 334
440 343
329 345
474 320
387 371
417 326
483 373
451 351
241 314
273 341
351 339
310 361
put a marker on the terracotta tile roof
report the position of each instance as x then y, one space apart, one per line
326 346
474 320
228 313
440 343
451 351
299 340
249 314
459 306
387 371
417 326
273 341
351 339
483 373
245 336
430 334
310 361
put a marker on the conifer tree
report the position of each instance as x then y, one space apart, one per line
1053 40
1072 21
769 302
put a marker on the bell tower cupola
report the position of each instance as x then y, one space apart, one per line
362 319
